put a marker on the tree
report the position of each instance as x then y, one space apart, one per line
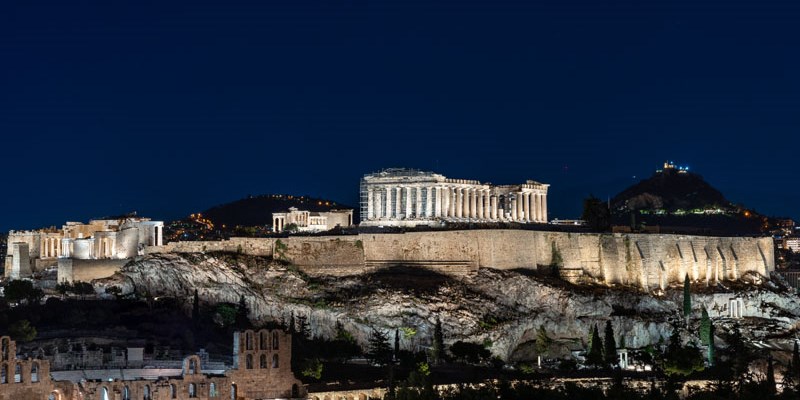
543 342
679 360
22 331
242 321
595 356
438 342
396 343
610 346
770 381
196 308
796 360
596 214
687 297
18 290
705 328
303 327
473 353
379 350
312 368
711 351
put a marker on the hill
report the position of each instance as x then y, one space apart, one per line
250 216
679 201
257 210
672 191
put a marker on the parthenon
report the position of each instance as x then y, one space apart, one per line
409 197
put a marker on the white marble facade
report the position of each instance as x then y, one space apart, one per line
408 197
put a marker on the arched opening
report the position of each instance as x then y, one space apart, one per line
263 341
104 394
54 396
212 389
146 395
34 371
192 390
248 339
17 373
295 391
6 344
248 361
274 340
4 373
274 361
173 391
126 393
263 363
192 366
234 392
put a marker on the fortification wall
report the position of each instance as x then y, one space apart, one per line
646 260
71 270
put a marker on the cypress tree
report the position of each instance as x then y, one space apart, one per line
796 360
242 321
396 343
771 389
595 356
610 346
687 297
705 327
711 349
196 308
438 342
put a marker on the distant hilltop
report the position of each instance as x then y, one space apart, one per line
248 216
682 201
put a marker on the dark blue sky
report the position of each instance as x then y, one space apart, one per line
168 108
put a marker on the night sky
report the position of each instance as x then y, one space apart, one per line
168 108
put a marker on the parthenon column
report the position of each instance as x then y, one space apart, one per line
429 202
493 206
526 207
479 196
544 208
408 202
418 213
473 203
389 202
398 206
535 206
459 202
370 203
514 208
378 206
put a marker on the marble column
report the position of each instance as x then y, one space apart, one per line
493 206
514 208
378 206
429 202
408 202
418 213
473 203
480 204
398 200
65 248
457 209
544 208
389 196
370 203
526 207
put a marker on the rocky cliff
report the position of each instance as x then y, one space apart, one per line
503 309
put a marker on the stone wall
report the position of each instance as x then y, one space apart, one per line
70 270
648 261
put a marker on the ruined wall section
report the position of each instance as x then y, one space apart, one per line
645 260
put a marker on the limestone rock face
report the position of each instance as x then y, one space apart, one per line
503 309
